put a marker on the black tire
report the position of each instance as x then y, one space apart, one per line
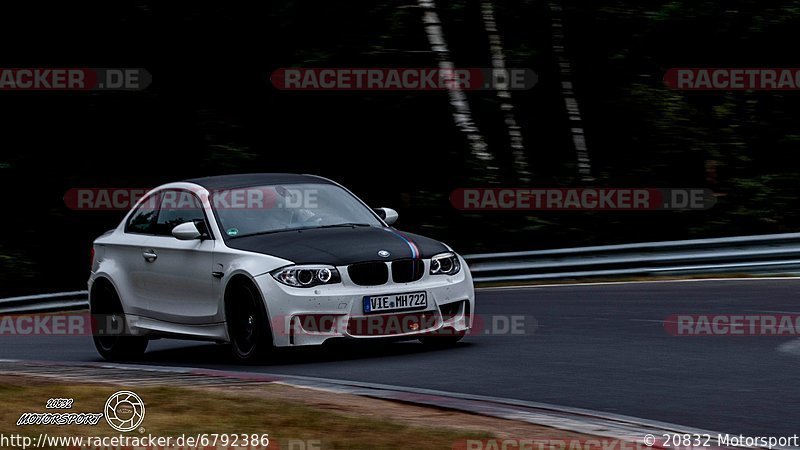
447 339
107 305
248 325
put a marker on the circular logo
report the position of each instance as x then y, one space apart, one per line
124 411
383 254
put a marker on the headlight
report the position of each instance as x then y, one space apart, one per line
445 264
306 276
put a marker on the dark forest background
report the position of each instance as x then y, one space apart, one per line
211 110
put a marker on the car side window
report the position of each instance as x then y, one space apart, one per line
142 221
177 207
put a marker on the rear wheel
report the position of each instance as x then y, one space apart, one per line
106 308
248 326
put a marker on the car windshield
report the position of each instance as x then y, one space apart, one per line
271 209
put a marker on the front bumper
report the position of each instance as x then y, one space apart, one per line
311 316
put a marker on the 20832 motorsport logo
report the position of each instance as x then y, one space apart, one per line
124 411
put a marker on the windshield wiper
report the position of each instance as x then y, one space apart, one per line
283 230
259 233
340 225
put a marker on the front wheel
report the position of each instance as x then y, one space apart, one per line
111 342
248 327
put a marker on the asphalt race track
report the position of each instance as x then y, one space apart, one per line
601 347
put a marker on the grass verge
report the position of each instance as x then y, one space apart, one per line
173 411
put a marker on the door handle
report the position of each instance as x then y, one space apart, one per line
149 255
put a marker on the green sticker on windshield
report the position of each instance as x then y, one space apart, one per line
232 231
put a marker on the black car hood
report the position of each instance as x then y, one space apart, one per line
339 246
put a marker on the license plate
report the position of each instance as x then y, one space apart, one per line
395 302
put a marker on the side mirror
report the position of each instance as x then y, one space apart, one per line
387 214
186 232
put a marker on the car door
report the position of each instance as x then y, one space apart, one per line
131 271
180 280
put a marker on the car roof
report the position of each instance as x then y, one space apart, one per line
255 179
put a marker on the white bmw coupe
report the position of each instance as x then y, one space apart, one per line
259 261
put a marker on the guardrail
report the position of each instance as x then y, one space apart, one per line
63 301
772 253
